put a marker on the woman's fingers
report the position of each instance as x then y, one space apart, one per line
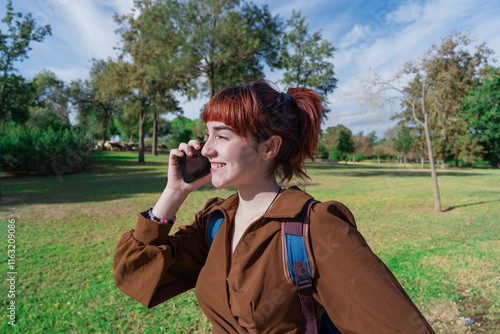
194 143
188 148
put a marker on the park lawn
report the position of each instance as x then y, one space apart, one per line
67 229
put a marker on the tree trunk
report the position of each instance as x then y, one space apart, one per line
422 162
105 122
405 160
378 158
155 135
2 93
142 118
211 87
437 198
354 158
2 101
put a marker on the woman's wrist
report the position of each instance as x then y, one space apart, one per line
159 220
168 204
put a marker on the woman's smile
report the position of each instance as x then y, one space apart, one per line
216 166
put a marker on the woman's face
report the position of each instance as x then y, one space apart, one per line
234 159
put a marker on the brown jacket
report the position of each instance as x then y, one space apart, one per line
357 290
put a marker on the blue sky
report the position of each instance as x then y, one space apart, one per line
370 37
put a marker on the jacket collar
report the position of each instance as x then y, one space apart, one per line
288 205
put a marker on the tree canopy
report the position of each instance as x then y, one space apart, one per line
306 59
15 43
481 109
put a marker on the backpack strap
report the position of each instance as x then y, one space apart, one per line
297 261
298 266
216 219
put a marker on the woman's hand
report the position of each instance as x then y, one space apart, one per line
175 181
177 190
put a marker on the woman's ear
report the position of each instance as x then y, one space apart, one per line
270 148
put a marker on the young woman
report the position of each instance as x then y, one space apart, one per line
256 134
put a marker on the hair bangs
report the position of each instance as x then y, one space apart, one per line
236 107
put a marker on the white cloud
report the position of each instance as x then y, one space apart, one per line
407 12
93 28
407 33
357 35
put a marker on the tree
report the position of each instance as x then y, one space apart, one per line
429 98
306 57
415 97
403 142
455 70
346 143
126 124
18 95
92 103
14 46
481 111
377 151
180 130
52 102
339 138
147 83
330 137
363 145
226 41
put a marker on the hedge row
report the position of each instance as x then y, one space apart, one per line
43 151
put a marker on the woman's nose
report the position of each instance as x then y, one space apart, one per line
207 149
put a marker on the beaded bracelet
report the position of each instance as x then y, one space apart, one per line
158 220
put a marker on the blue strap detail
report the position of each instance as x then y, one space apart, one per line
296 252
216 220
296 247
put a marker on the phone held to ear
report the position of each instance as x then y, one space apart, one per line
193 167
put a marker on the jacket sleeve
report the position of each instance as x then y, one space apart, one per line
151 266
358 291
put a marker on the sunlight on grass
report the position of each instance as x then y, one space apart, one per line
67 231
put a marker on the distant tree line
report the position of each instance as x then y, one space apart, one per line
168 49
449 108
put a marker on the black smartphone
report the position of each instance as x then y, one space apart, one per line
193 167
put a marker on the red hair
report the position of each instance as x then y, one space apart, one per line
255 108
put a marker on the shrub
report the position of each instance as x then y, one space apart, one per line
43 151
335 155
322 151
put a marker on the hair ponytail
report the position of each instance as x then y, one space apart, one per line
258 109
309 109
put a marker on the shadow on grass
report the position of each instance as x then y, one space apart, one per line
105 179
470 204
117 175
375 170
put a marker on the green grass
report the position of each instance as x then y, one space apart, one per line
67 230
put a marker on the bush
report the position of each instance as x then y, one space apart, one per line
480 162
359 157
335 155
43 151
322 151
